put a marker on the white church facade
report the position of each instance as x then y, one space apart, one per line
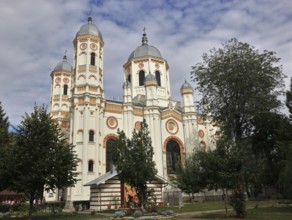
91 121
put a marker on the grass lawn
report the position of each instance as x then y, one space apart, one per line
264 213
258 210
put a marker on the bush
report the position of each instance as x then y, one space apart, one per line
119 214
4 208
56 207
83 204
20 207
238 202
137 214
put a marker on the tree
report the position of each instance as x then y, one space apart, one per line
223 168
4 126
190 177
41 158
4 144
289 99
133 159
239 82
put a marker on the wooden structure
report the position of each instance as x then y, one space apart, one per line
108 192
9 196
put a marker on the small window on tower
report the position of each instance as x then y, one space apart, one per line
157 76
92 59
91 136
141 78
129 78
65 89
90 166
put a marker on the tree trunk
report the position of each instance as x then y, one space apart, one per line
225 202
30 207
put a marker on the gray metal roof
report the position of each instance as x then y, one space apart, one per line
150 77
102 179
145 50
186 85
64 66
89 28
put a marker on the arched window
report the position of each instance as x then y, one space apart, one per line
129 78
65 89
92 59
109 159
157 76
91 136
172 156
141 78
90 166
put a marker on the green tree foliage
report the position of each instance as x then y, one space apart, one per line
4 146
223 167
4 126
239 82
272 145
190 177
213 169
41 158
289 99
133 159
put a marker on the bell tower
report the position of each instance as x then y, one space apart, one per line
87 105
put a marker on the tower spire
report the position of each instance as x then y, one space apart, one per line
144 38
65 57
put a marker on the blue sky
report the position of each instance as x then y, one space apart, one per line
35 34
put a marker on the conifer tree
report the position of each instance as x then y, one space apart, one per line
133 159
41 157
289 100
4 126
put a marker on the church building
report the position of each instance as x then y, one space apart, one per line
91 121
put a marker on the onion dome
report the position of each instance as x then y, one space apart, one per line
90 29
150 80
64 65
186 88
145 50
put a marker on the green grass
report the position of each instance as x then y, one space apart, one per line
265 213
61 216
256 210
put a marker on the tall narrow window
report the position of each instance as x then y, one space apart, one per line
90 166
65 90
109 158
91 136
157 76
141 78
92 59
129 78
172 156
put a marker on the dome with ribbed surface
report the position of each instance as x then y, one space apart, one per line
145 50
150 78
64 66
186 86
89 28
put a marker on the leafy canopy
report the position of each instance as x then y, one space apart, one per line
239 82
190 176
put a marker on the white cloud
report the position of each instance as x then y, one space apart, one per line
35 34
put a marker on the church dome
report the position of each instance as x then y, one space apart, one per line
145 50
64 66
89 28
186 87
150 78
